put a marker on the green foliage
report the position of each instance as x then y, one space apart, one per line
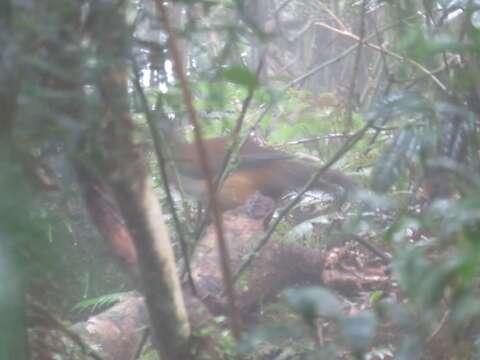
99 303
312 302
427 130
451 276
422 129
239 75
24 253
358 332
300 115
393 164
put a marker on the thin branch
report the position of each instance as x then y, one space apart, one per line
372 248
321 66
159 107
452 61
200 146
301 32
384 72
379 36
348 144
281 7
376 88
284 68
232 152
333 16
235 138
276 17
345 53
241 144
161 160
439 328
356 68
312 139
382 48
369 88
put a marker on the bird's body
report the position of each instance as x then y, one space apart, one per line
271 172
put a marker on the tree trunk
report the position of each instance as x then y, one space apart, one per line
133 190
13 328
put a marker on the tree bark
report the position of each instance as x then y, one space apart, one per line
132 188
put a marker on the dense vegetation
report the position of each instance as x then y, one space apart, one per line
387 92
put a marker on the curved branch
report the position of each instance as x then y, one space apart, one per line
345 53
386 51
217 215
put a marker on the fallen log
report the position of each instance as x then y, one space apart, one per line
118 332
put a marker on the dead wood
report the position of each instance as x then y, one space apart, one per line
276 267
117 332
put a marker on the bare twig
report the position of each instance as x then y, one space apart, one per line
321 66
302 31
369 88
382 48
276 17
439 69
440 326
372 248
380 41
281 7
330 62
312 139
325 8
356 68
345 53
200 146
286 67
385 72
376 88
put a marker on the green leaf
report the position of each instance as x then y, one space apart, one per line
437 278
358 331
101 301
411 266
465 310
394 163
376 296
311 302
241 75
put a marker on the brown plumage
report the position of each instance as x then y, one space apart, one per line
271 172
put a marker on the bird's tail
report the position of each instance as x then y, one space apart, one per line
332 181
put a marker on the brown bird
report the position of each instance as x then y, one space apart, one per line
271 172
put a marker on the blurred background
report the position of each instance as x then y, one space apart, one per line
385 92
